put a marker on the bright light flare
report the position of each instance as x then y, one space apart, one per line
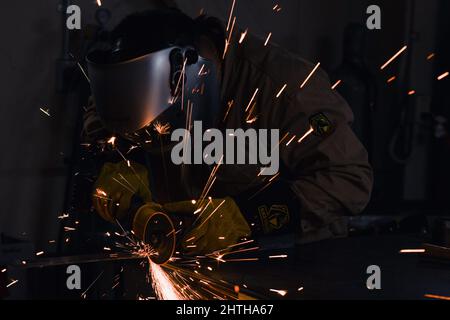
252 99
163 286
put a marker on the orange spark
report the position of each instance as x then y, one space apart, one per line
412 251
212 213
310 131
391 79
231 14
250 121
100 192
112 140
412 92
243 35
336 84
251 100
228 40
310 75
268 39
443 76
230 104
202 71
240 244
12 283
281 91
275 177
45 111
280 292
162 129
164 288
394 57
63 216
281 256
290 141
242 260
433 296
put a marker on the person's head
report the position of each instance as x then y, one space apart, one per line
153 30
157 61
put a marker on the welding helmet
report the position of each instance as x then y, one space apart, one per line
167 88
153 76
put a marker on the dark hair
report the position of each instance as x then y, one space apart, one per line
153 30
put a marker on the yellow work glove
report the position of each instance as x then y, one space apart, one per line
116 185
219 225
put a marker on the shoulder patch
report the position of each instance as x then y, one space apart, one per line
321 125
273 218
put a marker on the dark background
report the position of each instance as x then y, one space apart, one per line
409 158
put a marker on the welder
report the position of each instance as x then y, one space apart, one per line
163 70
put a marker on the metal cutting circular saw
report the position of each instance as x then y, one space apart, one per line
156 229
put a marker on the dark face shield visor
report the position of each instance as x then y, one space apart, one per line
134 98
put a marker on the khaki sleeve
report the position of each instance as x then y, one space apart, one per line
332 175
